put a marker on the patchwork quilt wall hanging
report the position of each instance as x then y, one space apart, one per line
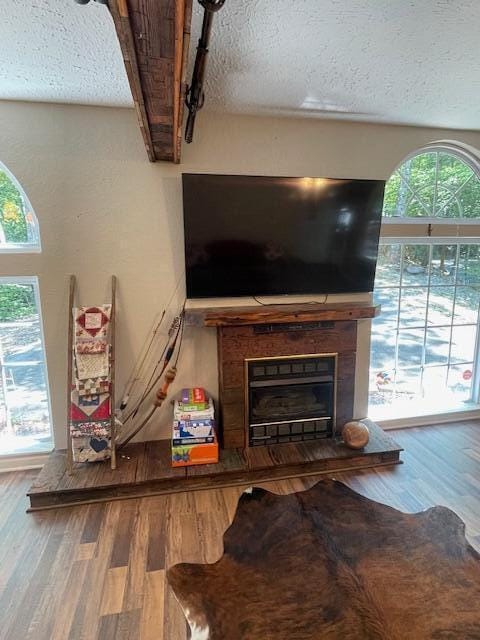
92 322
89 408
90 346
91 365
93 386
99 429
90 448
90 412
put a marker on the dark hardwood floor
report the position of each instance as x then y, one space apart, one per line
98 571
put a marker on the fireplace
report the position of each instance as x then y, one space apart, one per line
286 372
290 398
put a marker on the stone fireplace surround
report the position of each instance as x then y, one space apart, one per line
273 331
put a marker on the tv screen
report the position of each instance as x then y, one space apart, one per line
261 236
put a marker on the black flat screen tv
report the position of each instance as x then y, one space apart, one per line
266 236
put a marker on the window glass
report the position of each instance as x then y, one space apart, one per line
424 345
18 224
433 184
25 425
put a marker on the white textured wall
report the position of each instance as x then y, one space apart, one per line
103 208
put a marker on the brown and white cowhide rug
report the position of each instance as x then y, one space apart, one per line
328 563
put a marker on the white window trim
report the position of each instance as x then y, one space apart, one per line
22 247
23 461
419 239
423 231
33 280
466 154
428 420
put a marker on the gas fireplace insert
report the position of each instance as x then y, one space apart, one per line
290 398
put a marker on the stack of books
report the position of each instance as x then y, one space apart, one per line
194 440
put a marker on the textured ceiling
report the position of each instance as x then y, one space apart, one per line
60 51
401 61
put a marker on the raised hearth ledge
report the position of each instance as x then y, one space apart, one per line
145 469
280 313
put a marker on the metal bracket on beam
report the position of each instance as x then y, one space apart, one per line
195 97
105 2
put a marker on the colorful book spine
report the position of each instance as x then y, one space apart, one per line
191 454
196 395
193 428
189 412
191 407
193 423
189 441
193 435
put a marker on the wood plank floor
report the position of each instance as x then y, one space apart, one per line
97 572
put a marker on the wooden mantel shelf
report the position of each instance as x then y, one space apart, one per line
280 313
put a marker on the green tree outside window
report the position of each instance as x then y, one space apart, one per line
18 224
433 184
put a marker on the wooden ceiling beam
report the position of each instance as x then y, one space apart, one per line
154 38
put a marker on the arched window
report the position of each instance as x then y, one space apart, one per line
18 223
424 353
25 425
439 183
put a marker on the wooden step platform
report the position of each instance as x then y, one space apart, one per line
144 469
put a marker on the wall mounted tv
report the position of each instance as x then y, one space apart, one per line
261 236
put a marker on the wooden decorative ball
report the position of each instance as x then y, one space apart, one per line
355 434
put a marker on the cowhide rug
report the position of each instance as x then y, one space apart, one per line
328 563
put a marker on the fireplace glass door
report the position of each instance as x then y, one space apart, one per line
290 400
277 403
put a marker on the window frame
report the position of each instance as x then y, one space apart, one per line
22 247
430 230
476 357
34 281
431 226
